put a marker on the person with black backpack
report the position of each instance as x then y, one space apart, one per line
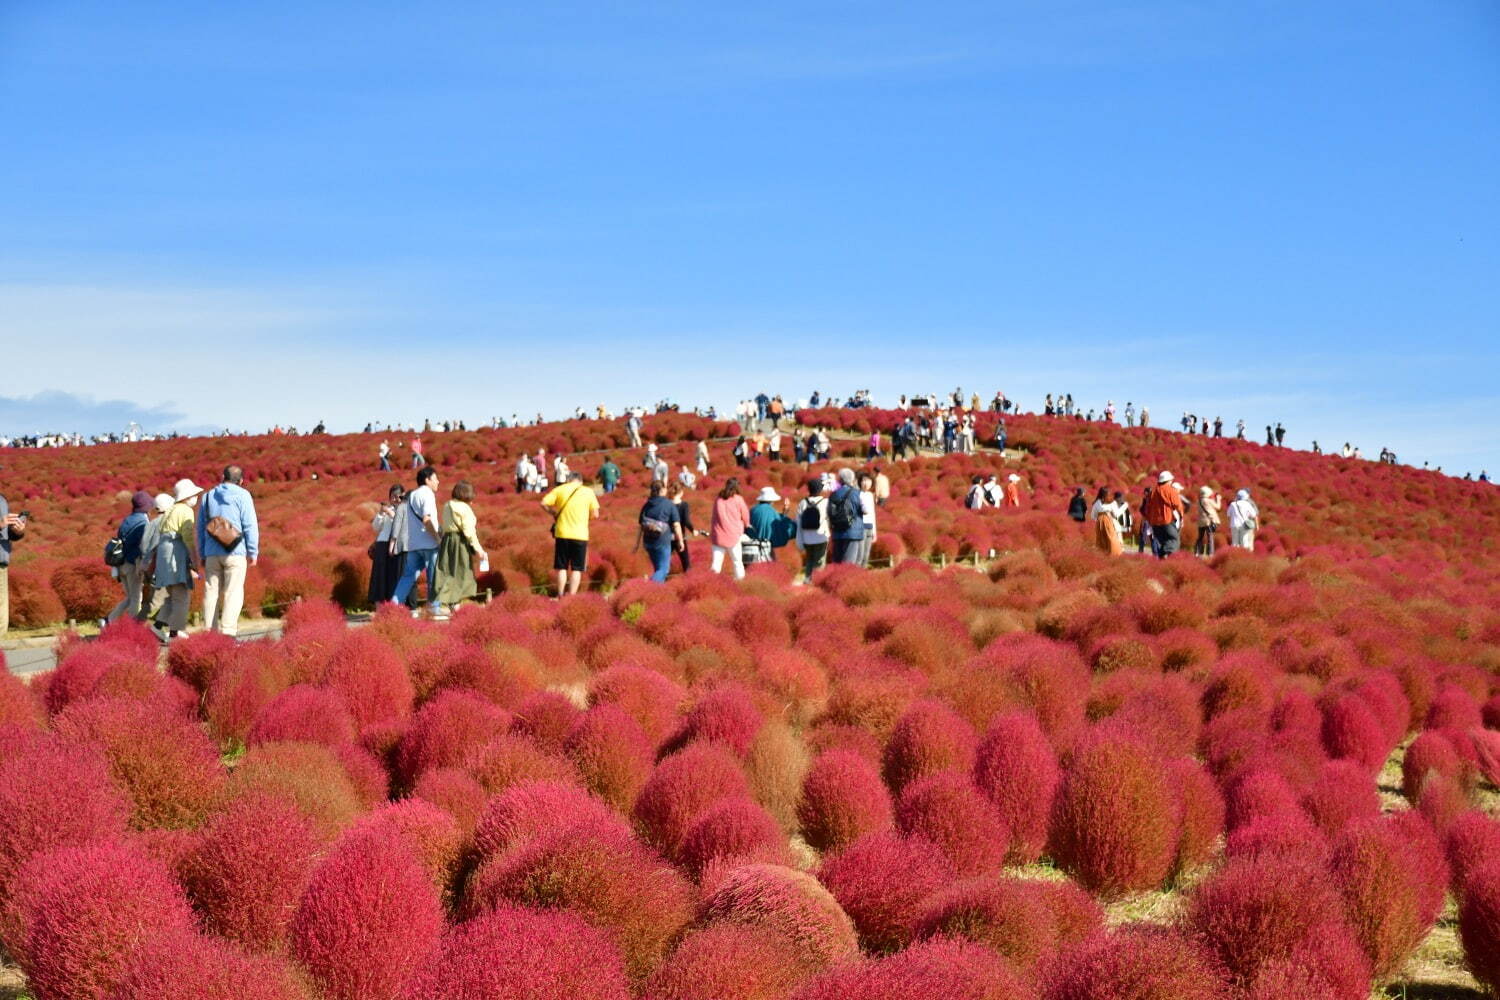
813 528
846 518
123 553
660 531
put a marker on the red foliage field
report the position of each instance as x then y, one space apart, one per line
917 783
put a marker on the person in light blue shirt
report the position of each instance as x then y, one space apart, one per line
225 566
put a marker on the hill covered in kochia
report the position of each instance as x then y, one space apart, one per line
316 494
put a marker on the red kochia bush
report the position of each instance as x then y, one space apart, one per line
733 829
53 795
1472 840
1479 924
1012 916
940 968
1255 911
645 695
309 775
445 731
1431 752
188 966
86 909
1115 826
18 705
881 881
725 715
547 717
1016 768
930 737
1351 730
522 812
304 713
789 904
612 755
1329 964
948 810
682 787
368 918
611 879
512 953
1201 807
431 834
1343 794
455 792
727 962
1141 963
165 762
375 684
1392 878
101 670
248 869
197 658
843 799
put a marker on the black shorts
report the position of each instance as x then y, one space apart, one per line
569 553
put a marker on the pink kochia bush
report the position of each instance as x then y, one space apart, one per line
939 969
682 787
1016 769
1392 876
1015 917
928 739
948 810
788 904
512 953
881 881
368 918
843 799
306 713
86 909
445 731
1144 963
733 830
727 962
188 966
248 869
1479 923
1115 826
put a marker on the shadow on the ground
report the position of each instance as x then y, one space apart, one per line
1425 991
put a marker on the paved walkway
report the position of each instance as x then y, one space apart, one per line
25 657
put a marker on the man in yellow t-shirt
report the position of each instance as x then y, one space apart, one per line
571 504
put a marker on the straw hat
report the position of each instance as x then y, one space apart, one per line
768 494
185 489
1165 477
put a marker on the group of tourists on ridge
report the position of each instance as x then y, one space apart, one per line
1164 511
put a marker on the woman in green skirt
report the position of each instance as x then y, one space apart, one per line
458 547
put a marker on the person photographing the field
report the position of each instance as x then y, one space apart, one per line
12 529
571 505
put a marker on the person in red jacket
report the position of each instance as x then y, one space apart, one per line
1164 514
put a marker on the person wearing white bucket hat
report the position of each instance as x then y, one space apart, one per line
1013 490
152 596
176 555
1164 514
770 528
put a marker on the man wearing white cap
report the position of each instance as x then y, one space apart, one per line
1013 490
176 555
1164 514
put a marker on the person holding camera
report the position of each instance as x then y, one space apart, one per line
12 528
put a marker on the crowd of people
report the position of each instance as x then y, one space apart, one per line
1164 513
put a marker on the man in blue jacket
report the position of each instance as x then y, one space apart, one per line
131 530
846 518
228 544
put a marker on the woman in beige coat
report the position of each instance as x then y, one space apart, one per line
1208 521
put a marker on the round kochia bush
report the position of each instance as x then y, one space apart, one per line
188 966
939 969
612 754
929 738
1479 923
1016 768
682 787
727 962
86 909
733 830
305 713
843 799
881 881
1115 825
248 870
1013 916
1143 963
1392 876
368 918
787 903
512 953
946 809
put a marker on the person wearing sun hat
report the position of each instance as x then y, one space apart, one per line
1013 490
176 555
770 528
1164 514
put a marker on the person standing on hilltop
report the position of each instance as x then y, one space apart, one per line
1270 436
703 461
1280 434
1145 417
633 428
1239 429
1164 514
1218 427
229 544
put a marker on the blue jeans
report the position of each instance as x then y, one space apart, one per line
417 561
661 560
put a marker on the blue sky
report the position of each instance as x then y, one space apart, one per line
1273 210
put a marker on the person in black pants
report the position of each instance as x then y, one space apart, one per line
678 496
